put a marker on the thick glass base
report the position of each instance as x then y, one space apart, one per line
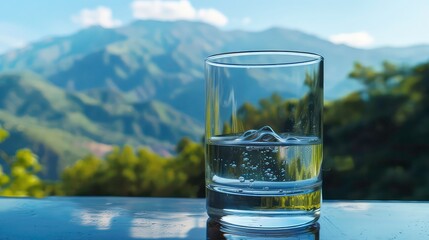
264 212
257 220
218 231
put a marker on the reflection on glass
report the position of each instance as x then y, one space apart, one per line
215 231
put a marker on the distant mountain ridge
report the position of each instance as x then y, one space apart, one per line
164 60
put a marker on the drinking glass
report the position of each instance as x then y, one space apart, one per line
263 138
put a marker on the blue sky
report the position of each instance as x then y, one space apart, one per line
364 23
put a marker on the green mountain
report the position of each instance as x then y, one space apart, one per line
153 60
62 126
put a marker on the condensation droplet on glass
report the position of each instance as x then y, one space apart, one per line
241 179
240 190
233 165
267 163
251 180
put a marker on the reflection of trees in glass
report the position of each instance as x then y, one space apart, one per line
298 169
306 202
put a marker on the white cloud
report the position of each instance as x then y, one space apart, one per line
356 39
172 10
100 16
212 16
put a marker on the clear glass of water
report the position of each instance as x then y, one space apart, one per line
263 139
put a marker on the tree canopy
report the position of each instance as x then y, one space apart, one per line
23 167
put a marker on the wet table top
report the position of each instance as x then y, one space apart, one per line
173 218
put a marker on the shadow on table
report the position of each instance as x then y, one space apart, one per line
215 231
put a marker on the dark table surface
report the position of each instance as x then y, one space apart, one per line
173 218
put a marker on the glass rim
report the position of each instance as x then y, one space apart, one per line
313 58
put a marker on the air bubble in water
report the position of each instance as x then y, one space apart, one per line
267 163
266 188
251 180
233 165
241 179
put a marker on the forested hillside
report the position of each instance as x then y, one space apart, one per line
375 147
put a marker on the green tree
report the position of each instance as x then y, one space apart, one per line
81 177
190 163
22 180
125 172
375 138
